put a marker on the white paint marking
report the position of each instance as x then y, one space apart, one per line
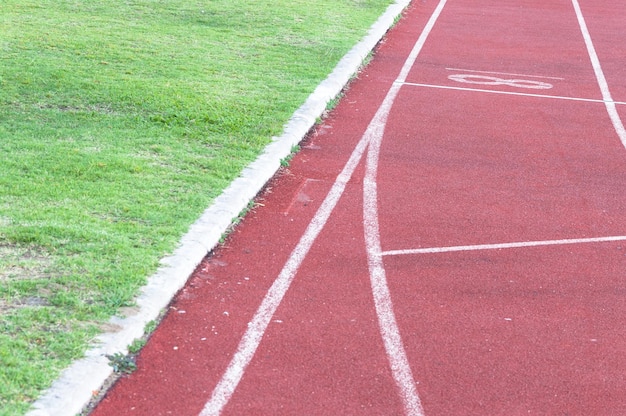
521 244
503 73
258 325
390 332
597 68
487 80
522 94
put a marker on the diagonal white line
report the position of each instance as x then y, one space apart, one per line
520 244
522 94
259 323
597 68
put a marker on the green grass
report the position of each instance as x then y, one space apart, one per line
120 121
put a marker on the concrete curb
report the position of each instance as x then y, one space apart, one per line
74 389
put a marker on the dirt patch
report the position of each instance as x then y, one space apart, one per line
102 109
31 301
18 262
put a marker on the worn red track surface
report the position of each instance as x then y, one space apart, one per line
485 275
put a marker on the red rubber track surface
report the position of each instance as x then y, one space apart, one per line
496 331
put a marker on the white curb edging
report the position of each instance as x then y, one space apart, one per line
73 390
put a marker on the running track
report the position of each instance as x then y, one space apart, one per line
449 242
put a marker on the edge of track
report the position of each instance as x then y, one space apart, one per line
75 387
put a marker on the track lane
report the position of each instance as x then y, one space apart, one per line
466 179
325 356
509 41
512 332
523 330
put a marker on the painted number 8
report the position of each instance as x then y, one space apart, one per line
485 80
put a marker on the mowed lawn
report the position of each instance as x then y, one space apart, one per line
120 121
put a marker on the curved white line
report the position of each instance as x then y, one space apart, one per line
389 330
597 68
392 340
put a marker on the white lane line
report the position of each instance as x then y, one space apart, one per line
597 68
503 73
521 244
258 325
390 333
558 97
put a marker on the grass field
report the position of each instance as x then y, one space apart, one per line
120 121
